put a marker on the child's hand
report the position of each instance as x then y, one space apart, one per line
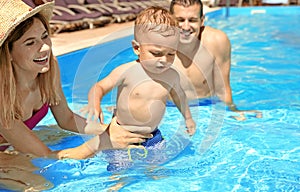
93 113
191 126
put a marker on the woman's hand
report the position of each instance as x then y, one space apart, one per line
121 138
81 152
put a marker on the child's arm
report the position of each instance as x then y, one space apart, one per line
180 100
96 93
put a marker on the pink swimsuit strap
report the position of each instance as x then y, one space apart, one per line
37 116
34 120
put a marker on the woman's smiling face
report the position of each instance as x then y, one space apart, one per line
32 51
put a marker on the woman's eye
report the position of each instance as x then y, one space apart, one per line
45 36
29 43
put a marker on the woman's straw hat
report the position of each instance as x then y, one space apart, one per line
13 12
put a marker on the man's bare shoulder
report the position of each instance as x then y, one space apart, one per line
215 40
214 35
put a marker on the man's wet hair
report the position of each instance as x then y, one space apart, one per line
186 3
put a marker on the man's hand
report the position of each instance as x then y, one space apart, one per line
191 126
242 114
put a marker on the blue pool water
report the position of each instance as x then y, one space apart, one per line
225 154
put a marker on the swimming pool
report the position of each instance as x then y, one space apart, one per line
253 155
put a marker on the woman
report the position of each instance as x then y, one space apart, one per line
30 84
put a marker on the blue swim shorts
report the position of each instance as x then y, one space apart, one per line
197 102
123 159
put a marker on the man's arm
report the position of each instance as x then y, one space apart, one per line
222 75
221 71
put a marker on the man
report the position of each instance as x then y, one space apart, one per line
204 56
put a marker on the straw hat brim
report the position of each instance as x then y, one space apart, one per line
8 25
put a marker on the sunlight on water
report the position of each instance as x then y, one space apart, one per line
224 154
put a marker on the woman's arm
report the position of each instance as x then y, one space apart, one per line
115 137
23 139
64 117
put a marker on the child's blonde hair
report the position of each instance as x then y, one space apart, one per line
155 19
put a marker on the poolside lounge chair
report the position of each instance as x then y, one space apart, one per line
162 3
93 7
222 3
134 4
72 20
145 3
137 6
294 2
96 5
148 3
119 13
90 18
62 19
131 10
94 17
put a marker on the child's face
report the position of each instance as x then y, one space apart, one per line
156 52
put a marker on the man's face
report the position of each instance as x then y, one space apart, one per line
189 21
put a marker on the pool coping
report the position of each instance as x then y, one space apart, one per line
67 42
